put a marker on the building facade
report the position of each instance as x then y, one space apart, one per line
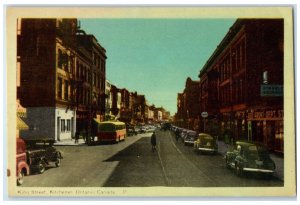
46 50
241 85
62 77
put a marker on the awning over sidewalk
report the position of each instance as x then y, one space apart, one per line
21 125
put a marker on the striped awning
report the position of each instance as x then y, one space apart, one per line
21 125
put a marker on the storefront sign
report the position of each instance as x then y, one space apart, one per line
271 90
265 115
204 114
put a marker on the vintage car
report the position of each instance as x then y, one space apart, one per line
131 130
22 166
40 154
205 143
249 157
189 138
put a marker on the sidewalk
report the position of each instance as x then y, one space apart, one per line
69 142
279 160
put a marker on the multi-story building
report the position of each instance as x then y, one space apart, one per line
141 106
191 103
241 85
181 113
94 89
62 77
125 112
116 101
96 73
46 56
151 113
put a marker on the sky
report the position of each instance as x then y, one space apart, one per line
155 56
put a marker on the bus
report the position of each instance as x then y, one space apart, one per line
109 131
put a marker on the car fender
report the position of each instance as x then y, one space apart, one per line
23 165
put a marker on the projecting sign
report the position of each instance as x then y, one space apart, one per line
204 114
271 90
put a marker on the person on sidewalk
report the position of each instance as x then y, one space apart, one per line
76 137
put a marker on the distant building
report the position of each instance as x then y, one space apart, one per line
191 104
180 116
116 101
125 112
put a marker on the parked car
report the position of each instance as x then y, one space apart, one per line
131 130
22 166
150 128
141 129
190 138
40 154
249 157
183 133
205 143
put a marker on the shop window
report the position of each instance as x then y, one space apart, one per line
63 126
68 125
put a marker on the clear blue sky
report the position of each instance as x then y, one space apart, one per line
155 56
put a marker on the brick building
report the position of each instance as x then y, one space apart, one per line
191 103
241 85
62 73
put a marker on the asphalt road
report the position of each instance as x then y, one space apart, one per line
133 164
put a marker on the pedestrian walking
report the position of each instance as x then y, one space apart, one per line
153 141
76 137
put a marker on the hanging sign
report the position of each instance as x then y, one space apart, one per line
204 114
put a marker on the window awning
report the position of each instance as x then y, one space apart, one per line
21 125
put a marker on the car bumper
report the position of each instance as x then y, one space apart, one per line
206 149
258 170
189 142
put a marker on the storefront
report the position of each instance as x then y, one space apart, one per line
266 126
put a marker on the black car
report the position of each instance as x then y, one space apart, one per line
249 157
189 138
41 154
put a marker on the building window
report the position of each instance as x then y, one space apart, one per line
265 77
77 69
234 60
60 58
66 90
82 77
68 125
59 88
63 126
94 79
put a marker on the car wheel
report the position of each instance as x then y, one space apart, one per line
238 170
20 178
58 162
41 167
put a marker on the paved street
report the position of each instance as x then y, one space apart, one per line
133 164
